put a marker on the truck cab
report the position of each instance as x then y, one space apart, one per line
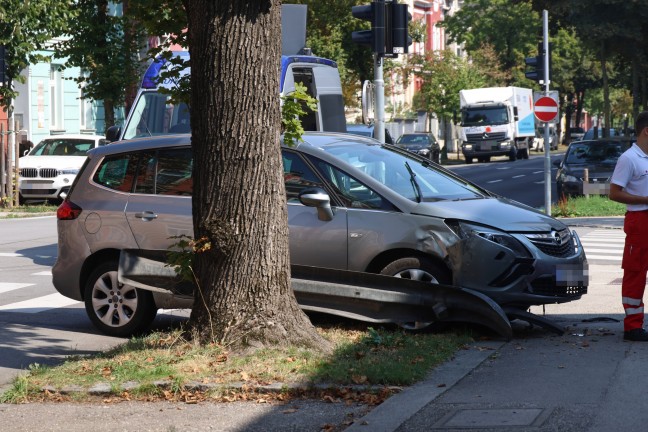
496 122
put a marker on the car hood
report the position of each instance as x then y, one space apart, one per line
500 213
51 161
599 170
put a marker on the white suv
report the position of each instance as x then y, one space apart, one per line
48 170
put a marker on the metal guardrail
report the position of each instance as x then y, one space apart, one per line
362 296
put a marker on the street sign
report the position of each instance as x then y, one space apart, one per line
546 109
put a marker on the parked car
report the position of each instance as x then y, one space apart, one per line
589 135
48 170
368 130
538 142
576 133
596 157
353 204
422 143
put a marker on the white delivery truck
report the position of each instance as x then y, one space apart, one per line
496 121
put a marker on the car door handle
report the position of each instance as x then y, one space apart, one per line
147 215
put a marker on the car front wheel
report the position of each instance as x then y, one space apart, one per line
117 309
421 269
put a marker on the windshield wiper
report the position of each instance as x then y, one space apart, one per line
417 188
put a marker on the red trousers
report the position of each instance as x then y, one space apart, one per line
635 267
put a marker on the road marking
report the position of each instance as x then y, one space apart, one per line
518 176
43 273
494 181
538 172
39 304
10 254
9 286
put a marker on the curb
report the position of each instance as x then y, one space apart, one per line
391 414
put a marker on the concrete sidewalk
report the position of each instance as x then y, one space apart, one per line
587 379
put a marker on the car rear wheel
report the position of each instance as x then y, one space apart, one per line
114 308
420 269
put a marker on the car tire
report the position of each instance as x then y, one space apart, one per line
469 160
134 311
422 269
513 155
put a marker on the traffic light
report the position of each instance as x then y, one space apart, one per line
397 19
537 64
375 14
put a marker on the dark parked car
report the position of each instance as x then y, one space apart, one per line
596 158
368 131
589 135
421 143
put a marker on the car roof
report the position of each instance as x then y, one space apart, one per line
359 127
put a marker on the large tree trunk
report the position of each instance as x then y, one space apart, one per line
239 200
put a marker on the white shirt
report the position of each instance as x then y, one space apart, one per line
631 173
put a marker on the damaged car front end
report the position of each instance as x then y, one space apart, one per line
519 269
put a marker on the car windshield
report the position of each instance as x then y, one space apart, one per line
390 167
155 114
413 140
595 152
62 147
484 116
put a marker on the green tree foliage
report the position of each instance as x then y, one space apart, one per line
105 45
330 25
444 74
25 28
168 20
510 28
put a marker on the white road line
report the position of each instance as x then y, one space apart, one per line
538 172
602 257
39 304
9 286
518 176
10 254
494 181
43 273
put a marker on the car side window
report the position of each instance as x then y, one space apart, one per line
297 176
352 192
117 172
165 172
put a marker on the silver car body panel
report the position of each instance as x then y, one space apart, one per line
354 239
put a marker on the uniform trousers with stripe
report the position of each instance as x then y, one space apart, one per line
635 267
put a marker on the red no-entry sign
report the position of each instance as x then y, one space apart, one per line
546 109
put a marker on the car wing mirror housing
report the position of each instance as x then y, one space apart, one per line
112 133
318 198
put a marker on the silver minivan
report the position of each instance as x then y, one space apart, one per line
353 204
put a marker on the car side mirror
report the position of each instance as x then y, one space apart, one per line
112 133
318 198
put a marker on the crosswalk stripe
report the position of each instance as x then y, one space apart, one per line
10 254
43 273
9 286
39 304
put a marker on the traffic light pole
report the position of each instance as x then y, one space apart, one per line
547 143
379 88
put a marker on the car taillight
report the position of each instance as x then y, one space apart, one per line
68 210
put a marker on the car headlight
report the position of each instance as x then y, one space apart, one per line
424 152
465 230
467 146
64 171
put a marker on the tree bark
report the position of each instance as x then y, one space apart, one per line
239 200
